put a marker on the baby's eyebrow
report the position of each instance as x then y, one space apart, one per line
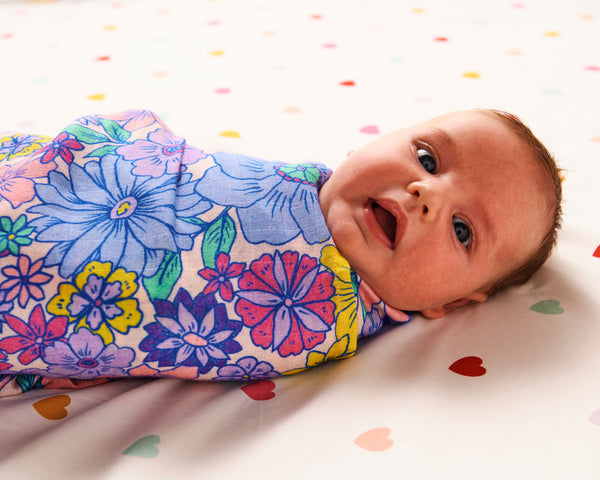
443 137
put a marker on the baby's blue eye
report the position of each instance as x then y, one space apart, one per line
427 160
462 231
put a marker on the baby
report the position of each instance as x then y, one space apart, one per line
126 252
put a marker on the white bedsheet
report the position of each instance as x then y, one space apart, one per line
309 81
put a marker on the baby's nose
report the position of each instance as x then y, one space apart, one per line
428 199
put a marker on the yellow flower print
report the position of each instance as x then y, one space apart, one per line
345 298
337 350
20 145
99 300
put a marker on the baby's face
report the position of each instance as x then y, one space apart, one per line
433 215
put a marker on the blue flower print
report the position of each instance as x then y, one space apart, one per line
246 368
104 212
275 202
191 332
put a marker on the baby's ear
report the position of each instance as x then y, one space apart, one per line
438 312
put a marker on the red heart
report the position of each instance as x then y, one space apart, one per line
261 390
348 83
441 39
469 367
104 58
597 252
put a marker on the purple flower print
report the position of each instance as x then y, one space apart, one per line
18 145
86 356
246 368
161 152
372 323
192 333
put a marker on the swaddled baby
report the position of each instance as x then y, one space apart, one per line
127 252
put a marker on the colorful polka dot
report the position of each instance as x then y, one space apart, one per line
230 134
473 75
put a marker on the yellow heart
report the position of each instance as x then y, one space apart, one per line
217 52
230 134
96 96
110 28
53 408
552 33
471 75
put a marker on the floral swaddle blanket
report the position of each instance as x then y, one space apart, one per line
126 252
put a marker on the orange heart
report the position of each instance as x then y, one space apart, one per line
53 408
375 440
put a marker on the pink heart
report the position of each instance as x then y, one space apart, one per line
260 390
593 68
469 367
595 417
375 440
370 129
329 45
222 90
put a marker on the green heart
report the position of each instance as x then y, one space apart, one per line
145 447
549 307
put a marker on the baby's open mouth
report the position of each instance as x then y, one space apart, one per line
386 221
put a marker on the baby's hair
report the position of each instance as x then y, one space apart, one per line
524 271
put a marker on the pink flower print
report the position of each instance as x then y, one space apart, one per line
61 147
219 278
136 119
34 337
16 184
286 302
24 280
161 152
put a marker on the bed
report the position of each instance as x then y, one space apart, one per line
505 389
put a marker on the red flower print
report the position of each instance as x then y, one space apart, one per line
61 147
4 365
286 302
35 337
24 280
219 278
